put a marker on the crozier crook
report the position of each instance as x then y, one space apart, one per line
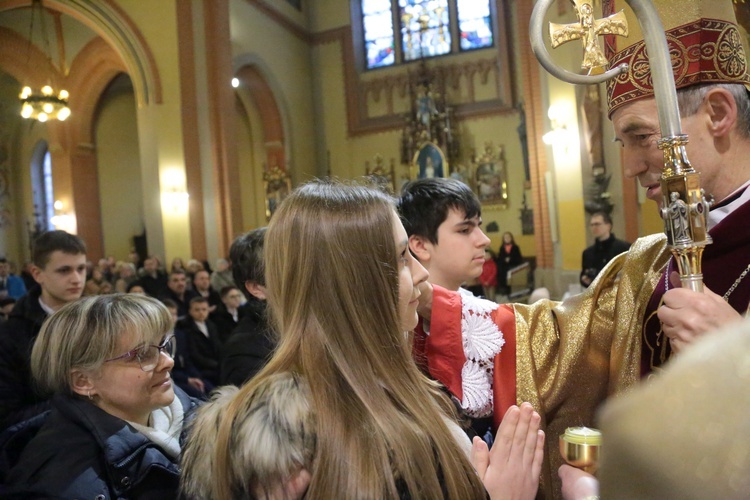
680 183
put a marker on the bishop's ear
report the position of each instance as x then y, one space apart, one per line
722 110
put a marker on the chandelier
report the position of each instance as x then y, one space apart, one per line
43 104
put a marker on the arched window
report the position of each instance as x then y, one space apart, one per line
424 28
41 185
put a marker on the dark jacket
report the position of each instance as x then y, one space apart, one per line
249 347
153 286
18 400
184 367
225 322
505 261
81 451
599 254
204 351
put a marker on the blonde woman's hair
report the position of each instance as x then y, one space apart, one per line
378 424
84 333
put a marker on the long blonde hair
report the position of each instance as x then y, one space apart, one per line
379 424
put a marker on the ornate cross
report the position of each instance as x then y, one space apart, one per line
587 29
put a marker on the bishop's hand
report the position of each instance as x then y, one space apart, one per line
687 315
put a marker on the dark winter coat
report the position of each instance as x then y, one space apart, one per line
18 401
249 347
81 451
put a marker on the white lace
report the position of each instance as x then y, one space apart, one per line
482 341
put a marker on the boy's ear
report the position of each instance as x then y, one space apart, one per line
256 290
36 273
421 248
81 383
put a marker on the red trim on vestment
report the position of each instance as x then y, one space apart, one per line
444 346
504 377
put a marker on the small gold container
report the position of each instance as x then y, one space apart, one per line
579 447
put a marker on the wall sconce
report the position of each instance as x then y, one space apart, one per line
560 136
175 200
65 221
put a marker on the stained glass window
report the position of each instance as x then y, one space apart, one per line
377 19
474 24
425 28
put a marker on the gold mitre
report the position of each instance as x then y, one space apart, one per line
704 41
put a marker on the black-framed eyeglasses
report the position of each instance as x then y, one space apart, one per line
148 356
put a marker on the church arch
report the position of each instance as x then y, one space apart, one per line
111 23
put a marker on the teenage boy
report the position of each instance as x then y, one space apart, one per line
443 219
59 269
251 344
203 339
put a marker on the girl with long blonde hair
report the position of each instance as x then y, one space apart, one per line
341 402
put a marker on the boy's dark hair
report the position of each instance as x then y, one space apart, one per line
132 285
53 241
169 303
424 205
198 300
604 215
246 254
225 290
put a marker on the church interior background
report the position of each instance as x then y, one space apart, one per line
191 119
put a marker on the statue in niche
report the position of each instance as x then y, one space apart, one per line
678 218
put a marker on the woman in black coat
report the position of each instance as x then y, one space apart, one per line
117 424
508 258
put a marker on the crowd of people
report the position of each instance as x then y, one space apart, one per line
345 360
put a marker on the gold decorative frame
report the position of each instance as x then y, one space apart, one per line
277 185
429 161
380 175
491 178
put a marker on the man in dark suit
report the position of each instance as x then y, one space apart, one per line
203 339
177 291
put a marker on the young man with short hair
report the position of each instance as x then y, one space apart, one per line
203 339
443 219
605 248
228 314
177 291
251 345
59 268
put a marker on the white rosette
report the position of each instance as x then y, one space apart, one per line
482 341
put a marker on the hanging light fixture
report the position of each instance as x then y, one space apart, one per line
45 103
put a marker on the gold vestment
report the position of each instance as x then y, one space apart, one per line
572 355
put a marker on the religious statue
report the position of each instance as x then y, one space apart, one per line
677 214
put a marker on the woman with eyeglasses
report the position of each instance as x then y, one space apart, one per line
117 423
